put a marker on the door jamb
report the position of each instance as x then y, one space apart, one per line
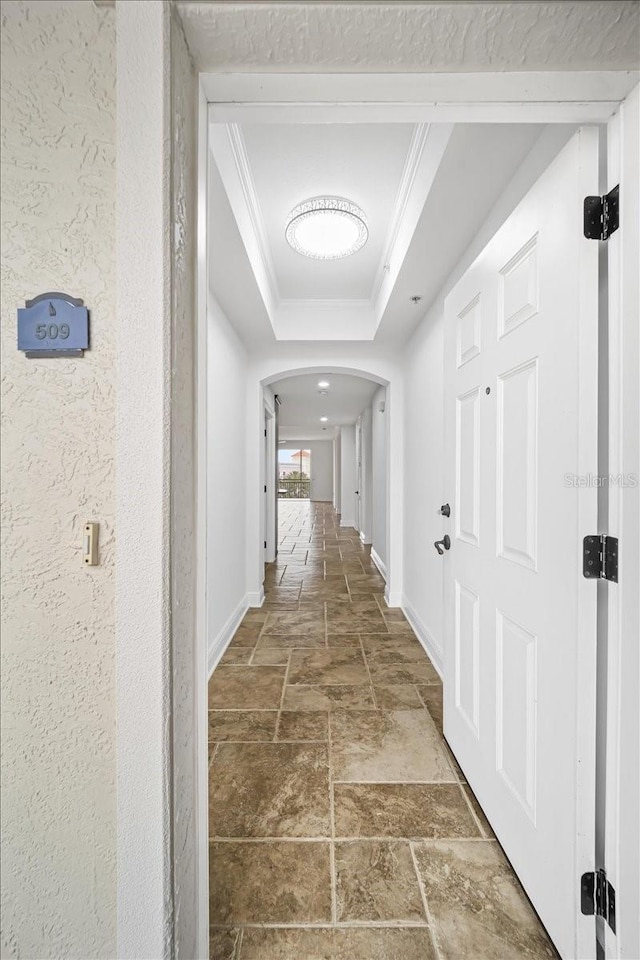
488 99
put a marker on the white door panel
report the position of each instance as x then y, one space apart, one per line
521 413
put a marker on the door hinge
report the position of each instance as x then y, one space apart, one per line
600 557
598 897
265 488
265 544
602 215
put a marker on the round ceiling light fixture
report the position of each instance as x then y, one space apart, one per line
326 228
323 419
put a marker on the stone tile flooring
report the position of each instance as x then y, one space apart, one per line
341 826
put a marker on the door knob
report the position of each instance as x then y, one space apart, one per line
445 510
445 542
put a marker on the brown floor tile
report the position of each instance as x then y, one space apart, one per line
383 746
289 641
400 629
275 596
336 666
341 697
485 826
395 653
431 695
246 636
237 655
269 790
293 624
331 586
359 609
397 696
280 606
364 581
351 624
398 794
342 639
411 810
402 673
246 688
269 882
477 906
387 641
370 943
224 943
376 880
270 656
303 725
394 613
245 725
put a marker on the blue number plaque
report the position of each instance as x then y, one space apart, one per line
53 325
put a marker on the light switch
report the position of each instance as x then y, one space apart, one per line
90 544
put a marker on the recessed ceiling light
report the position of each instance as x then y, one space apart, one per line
326 228
323 419
323 384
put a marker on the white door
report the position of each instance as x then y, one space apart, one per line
520 422
358 490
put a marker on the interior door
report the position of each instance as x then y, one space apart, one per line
521 428
358 490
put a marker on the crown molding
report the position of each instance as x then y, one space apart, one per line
411 167
426 151
323 318
243 167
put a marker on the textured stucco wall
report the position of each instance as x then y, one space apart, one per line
446 37
183 467
58 718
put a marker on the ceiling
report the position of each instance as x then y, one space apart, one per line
425 188
418 36
301 404
290 163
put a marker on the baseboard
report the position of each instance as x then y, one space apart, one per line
382 567
423 635
224 638
254 599
365 538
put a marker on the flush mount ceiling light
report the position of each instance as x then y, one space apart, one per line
323 384
323 419
326 228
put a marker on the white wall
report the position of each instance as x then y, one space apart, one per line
379 478
321 466
337 471
226 479
360 360
184 659
424 441
348 476
366 518
58 437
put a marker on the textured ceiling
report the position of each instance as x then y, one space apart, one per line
445 37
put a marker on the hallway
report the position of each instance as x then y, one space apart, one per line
340 824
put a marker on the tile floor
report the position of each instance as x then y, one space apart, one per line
341 826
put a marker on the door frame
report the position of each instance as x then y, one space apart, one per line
481 98
271 491
553 97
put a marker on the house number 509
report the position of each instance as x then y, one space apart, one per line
52 331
